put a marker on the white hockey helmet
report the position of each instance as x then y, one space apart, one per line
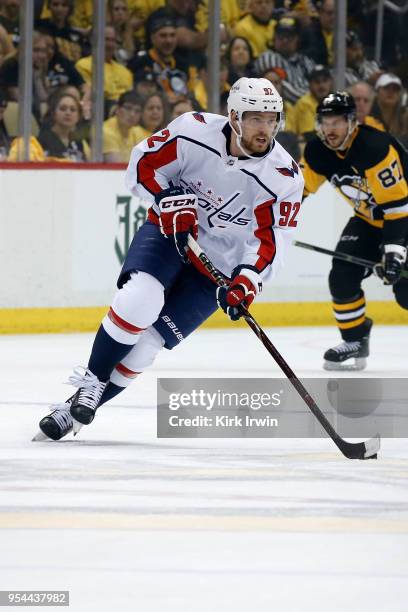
254 95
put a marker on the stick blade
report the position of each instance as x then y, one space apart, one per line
361 450
372 447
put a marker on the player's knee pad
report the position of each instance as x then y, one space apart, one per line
134 308
140 357
344 281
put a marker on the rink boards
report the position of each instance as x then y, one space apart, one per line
64 233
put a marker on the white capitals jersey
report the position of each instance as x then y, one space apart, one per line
247 207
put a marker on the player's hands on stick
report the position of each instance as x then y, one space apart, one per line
178 217
392 263
244 287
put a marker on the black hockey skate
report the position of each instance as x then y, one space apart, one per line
335 358
86 399
57 424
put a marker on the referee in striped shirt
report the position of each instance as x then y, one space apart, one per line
285 55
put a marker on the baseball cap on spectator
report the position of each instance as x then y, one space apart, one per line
388 79
352 38
319 71
288 25
159 22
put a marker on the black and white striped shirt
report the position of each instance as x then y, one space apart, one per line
362 73
297 69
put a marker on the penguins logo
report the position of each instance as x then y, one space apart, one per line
354 188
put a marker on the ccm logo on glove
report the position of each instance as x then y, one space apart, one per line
178 217
169 204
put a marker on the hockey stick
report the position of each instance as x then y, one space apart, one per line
359 450
343 256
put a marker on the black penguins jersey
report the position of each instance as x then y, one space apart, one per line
371 174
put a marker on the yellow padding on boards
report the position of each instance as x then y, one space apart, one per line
63 320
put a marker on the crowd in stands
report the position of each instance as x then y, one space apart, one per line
156 68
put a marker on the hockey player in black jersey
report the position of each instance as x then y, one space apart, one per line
369 168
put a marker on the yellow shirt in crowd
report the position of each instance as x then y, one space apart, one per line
81 16
329 40
260 36
142 133
117 79
230 14
305 113
115 141
290 120
201 94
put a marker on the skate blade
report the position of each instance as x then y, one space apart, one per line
76 426
360 363
40 437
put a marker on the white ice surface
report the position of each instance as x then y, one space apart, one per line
129 522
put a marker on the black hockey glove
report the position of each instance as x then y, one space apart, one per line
392 263
178 217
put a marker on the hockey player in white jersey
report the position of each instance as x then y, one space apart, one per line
230 184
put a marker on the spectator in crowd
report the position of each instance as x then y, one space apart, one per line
183 14
146 87
9 19
9 72
61 71
139 13
364 96
118 16
82 16
230 14
69 41
319 36
276 76
388 107
35 150
57 140
4 135
362 17
320 85
257 26
161 62
201 86
117 78
185 105
154 116
358 67
286 56
304 10
240 59
119 133
83 127
6 46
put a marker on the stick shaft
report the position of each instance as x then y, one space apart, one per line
221 281
359 261
287 370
